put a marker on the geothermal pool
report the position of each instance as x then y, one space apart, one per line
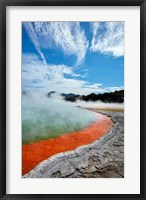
44 118
52 126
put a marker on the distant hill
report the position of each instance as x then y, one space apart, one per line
70 96
111 97
66 97
51 93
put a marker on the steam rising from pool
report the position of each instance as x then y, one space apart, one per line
100 105
44 117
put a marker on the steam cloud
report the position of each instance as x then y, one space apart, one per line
100 105
44 117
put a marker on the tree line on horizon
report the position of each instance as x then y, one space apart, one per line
111 97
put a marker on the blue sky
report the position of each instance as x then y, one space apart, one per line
73 57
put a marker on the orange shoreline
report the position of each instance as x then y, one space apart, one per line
34 153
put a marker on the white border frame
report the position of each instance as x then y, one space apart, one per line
131 183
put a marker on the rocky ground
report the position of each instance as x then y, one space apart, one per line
103 158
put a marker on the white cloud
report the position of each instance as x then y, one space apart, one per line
35 69
44 78
68 36
108 38
34 38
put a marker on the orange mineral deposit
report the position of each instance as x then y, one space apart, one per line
34 153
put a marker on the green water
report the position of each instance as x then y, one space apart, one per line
47 118
46 132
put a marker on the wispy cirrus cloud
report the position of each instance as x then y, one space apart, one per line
34 38
36 74
39 76
67 36
33 69
108 38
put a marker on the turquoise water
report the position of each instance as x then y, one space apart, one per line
44 118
